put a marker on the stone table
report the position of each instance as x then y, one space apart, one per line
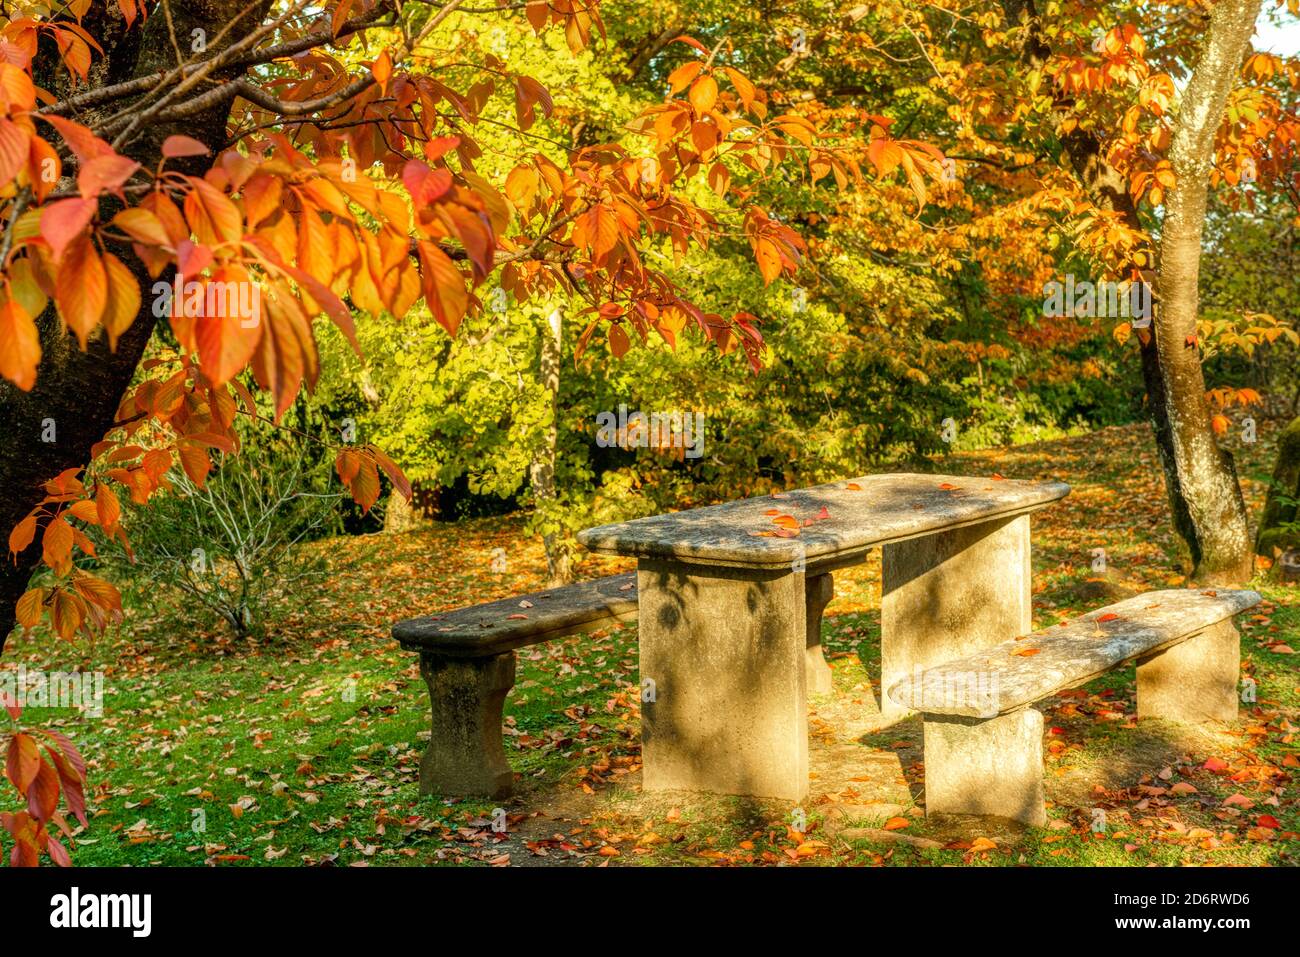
731 598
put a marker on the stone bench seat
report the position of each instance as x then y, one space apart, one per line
983 743
509 623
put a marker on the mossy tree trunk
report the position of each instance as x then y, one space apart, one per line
1206 505
1219 534
1279 525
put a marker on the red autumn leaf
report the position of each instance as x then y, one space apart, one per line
84 144
424 184
178 145
64 220
22 762
105 174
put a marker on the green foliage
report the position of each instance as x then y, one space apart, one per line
1250 303
887 339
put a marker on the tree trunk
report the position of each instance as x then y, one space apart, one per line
77 393
541 471
1107 188
1219 543
1279 524
399 514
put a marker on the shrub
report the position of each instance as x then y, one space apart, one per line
233 543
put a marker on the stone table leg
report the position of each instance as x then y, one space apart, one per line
1195 680
818 591
724 689
948 595
465 754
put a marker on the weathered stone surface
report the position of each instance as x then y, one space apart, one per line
465 755
1193 681
992 768
724 699
951 594
1007 676
818 591
881 509
510 623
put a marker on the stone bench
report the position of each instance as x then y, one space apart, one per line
984 744
467 659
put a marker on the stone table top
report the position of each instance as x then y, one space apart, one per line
830 524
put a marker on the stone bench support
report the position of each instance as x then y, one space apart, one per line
992 767
818 592
1195 681
948 595
465 755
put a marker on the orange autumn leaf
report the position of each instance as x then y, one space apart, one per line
619 343
382 70
81 288
210 213
20 345
29 608
704 94
123 298
56 545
